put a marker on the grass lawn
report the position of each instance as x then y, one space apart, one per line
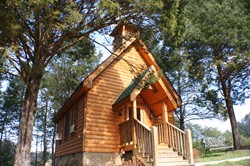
235 163
222 155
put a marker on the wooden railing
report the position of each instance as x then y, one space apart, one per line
126 133
162 137
176 139
173 137
147 140
144 139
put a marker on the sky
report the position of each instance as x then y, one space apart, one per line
240 112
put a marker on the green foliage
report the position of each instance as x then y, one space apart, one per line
217 35
10 110
244 126
7 152
217 39
199 132
66 72
187 81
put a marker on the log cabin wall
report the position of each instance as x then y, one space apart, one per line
97 125
170 118
74 141
102 127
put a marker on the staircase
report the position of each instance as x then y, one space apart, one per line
152 145
167 157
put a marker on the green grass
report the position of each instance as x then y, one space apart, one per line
222 155
235 163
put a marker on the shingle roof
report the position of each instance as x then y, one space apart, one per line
133 84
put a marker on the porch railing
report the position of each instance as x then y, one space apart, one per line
126 137
173 137
136 133
144 139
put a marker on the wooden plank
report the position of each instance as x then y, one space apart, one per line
91 139
99 112
103 125
97 120
108 135
96 115
104 130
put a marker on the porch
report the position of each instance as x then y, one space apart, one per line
145 118
147 143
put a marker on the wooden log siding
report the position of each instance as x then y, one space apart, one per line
72 144
105 90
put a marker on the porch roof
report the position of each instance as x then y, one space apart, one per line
153 96
133 85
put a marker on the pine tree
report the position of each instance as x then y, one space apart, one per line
11 104
217 40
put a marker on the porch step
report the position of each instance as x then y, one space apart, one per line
168 157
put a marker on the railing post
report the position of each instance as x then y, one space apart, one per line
165 121
154 131
133 122
188 139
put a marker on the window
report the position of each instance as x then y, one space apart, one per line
66 125
130 113
73 116
138 114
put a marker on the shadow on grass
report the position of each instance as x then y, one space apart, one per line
221 155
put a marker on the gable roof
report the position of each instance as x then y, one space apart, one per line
86 84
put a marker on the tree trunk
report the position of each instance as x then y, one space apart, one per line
28 111
233 122
53 146
45 134
36 158
226 88
182 125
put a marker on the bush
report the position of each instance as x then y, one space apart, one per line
245 142
7 153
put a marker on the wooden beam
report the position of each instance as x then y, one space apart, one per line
168 93
188 138
134 105
157 102
155 145
165 120
134 94
165 112
134 109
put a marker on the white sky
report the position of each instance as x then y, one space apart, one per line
240 112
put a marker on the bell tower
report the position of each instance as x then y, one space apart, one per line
122 33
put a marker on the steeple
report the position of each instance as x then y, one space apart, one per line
122 33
